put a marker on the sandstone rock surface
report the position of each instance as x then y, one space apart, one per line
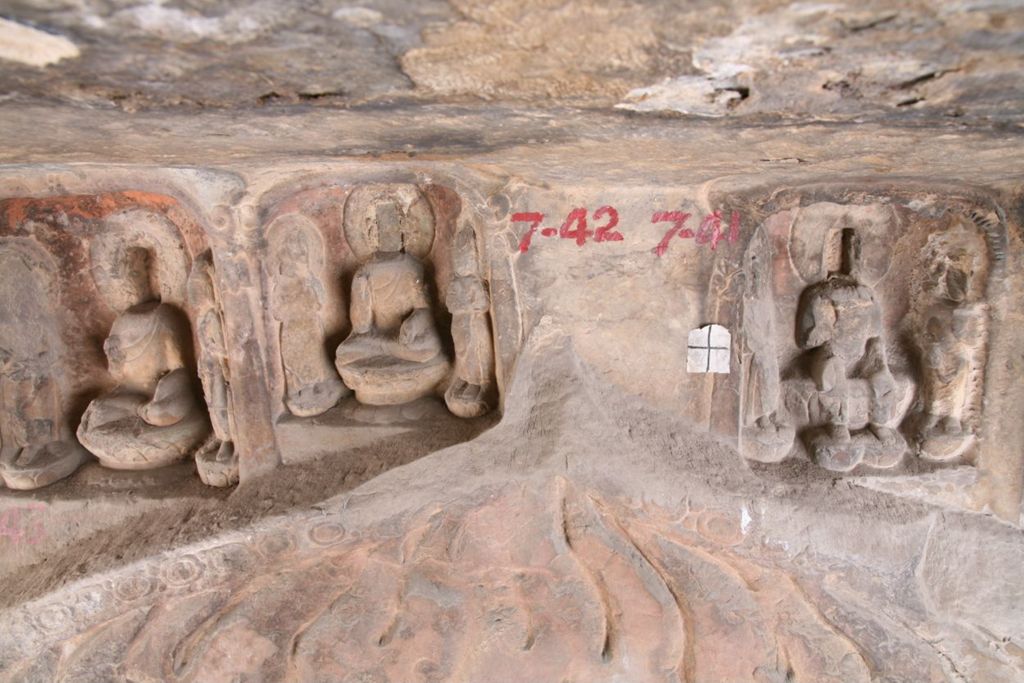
512 341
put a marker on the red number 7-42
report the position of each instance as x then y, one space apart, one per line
574 227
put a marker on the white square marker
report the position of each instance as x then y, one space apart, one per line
696 360
719 337
718 361
709 350
699 338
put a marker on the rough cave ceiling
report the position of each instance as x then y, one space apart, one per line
904 60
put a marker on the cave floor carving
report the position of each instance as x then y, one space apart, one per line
539 550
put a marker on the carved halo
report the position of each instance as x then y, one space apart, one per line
818 225
964 248
151 231
293 236
412 211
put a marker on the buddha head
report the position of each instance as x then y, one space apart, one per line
295 256
842 253
388 219
389 228
464 253
136 276
954 261
128 279
951 277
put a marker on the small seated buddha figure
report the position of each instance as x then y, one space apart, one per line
394 353
855 395
153 417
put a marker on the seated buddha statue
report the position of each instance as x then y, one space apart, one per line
856 397
394 353
153 417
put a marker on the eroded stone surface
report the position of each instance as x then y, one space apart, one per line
438 277
837 60
564 570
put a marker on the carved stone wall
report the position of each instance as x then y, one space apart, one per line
131 270
334 310
492 341
104 256
581 351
